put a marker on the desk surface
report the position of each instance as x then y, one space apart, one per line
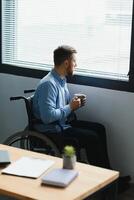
90 180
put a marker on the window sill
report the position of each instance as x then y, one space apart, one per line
121 85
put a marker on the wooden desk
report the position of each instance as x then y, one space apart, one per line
90 180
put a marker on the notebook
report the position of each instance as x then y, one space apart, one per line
4 157
60 177
28 167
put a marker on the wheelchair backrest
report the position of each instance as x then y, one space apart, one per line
28 103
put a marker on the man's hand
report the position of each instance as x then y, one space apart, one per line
75 103
83 101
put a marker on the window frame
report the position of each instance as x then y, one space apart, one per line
120 85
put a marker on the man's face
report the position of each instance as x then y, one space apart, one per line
71 65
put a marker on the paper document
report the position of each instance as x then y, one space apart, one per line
28 167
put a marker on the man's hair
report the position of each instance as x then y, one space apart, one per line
63 53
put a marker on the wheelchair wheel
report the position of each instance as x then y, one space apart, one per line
33 141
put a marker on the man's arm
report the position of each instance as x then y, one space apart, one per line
47 104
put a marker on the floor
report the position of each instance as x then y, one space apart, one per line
128 195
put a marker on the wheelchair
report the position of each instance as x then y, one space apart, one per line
31 139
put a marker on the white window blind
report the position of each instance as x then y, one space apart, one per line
100 30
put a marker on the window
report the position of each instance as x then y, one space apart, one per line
99 30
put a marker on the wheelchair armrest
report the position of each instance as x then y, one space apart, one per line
16 98
29 91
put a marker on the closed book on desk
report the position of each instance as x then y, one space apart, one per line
60 177
4 157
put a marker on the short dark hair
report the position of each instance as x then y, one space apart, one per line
62 53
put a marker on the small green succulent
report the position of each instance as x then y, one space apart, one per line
69 151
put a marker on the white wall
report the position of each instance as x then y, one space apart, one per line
114 109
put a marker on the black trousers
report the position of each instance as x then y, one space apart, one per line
89 135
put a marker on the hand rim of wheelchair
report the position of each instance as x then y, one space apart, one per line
24 136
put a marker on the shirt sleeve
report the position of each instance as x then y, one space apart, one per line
47 104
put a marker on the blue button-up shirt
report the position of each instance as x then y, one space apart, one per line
51 103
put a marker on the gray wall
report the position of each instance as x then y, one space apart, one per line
114 109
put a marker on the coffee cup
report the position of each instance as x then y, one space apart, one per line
81 96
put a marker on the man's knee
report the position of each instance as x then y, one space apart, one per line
92 137
99 126
100 129
92 126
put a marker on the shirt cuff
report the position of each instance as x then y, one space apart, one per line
67 110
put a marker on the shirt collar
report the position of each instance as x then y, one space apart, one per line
61 80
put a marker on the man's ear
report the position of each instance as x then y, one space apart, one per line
66 63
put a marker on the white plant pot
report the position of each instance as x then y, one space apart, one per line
69 162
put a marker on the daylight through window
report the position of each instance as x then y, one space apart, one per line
99 30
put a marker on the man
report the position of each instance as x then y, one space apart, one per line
54 107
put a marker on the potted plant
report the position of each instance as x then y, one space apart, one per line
69 157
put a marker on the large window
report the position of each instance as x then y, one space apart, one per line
100 30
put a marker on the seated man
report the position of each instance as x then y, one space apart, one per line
53 106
